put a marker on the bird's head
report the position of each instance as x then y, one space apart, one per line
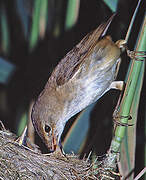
48 125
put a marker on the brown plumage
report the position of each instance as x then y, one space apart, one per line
80 78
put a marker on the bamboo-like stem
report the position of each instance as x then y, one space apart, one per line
128 97
129 93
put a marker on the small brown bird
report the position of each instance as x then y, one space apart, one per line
85 74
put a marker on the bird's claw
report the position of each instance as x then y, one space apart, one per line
118 123
136 55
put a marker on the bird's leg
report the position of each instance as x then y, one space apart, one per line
117 85
135 55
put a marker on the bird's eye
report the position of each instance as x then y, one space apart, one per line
47 129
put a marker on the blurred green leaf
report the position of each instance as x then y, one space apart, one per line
72 13
35 24
4 31
112 4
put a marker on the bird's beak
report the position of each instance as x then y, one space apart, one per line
55 145
54 141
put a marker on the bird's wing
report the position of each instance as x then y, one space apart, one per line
67 67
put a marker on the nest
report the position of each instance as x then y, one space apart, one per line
20 162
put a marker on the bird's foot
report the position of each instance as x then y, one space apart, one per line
137 55
116 119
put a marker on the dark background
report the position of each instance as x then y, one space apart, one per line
34 68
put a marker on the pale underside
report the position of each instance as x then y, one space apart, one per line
85 90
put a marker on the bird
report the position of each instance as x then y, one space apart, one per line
84 75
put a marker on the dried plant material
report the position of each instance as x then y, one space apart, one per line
20 162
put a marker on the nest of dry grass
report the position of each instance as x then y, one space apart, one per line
19 162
